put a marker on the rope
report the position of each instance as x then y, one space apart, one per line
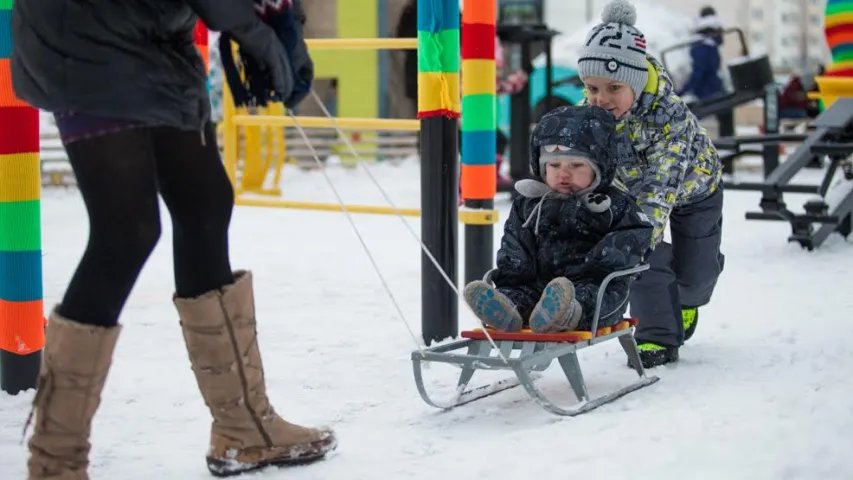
360 162
355 229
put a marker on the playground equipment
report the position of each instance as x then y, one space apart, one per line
478 130
265 151
833 138
536 352
837 80
439 110
22 318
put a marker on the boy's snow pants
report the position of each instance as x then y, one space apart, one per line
681 274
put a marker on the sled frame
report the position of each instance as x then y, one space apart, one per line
535 353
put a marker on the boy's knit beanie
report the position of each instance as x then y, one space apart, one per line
615 49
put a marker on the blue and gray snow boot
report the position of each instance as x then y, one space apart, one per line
557 309
492 307
689 317
654 355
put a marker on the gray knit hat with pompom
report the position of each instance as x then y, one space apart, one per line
615 49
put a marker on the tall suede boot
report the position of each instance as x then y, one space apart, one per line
247 434
74 368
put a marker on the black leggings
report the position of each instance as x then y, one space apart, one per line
119 176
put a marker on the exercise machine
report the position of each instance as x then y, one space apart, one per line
831 139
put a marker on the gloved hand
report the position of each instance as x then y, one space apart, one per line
267 67
276 62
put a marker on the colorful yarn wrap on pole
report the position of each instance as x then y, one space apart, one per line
838 28
479 116
21 296
438 59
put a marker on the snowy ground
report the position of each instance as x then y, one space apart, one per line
761 393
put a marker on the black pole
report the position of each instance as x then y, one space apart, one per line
439 204
19 372
549 76
519 147
479 243
770 153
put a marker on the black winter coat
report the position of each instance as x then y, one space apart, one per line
125 59
583 237
568 240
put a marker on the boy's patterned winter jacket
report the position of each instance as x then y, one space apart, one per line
666 159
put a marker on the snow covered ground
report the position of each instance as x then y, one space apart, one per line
763 391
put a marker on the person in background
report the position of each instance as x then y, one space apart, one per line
704 82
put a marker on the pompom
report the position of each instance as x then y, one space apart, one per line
619 11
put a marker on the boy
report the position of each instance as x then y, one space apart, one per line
668 163
567 230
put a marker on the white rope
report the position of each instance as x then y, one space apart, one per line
357 232
360 162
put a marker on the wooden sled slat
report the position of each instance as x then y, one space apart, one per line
527 335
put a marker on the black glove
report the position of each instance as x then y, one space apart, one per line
275 59
266 66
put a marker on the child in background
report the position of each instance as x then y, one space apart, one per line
567 230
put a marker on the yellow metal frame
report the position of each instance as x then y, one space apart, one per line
831 89
264 147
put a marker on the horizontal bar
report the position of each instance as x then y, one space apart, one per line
803 218
769 139
832 148
760 187
326 207
362 43
345 123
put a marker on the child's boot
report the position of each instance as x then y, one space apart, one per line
74 368
689 317
492 307
654 355
247 434
557 309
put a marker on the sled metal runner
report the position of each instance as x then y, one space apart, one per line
527 353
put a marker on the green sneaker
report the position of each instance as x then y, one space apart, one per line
690 317
653 355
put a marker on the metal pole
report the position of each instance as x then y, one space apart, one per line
438 110
22 320
520 120
479 122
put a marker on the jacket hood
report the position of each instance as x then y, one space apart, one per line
586 129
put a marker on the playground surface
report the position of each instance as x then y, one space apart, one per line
762 392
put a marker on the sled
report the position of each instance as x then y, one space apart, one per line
527 353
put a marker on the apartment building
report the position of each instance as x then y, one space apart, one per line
790 32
